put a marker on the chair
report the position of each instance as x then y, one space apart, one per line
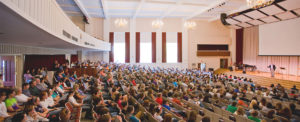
75 112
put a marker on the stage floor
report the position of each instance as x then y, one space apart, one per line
265 79
277 75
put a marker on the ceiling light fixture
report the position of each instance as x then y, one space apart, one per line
190 24
157 23
255 4
121 22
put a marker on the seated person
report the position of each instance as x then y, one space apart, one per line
11 102
130 115
55 94
254 116
72 100
64 115
46 101
166 105
294 110
32 115
19 117
175 100
159 99
39 85
21 98
41 111
25 89
232 108
78 93
33 89
3 109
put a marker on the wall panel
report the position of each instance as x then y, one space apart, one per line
250 56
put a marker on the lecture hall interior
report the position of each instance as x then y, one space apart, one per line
149 60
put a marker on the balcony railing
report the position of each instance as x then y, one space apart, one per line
47 15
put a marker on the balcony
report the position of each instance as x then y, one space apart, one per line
43 23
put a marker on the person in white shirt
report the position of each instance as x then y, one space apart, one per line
32 115
50 99
3 109
43 100
73 100
157 114
21 98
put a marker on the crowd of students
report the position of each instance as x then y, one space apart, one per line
120 92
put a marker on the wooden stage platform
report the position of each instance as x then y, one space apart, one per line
265 79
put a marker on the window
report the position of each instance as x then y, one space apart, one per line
119 52
171 52
119 47
145 52
146 47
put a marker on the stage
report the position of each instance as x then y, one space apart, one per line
265 79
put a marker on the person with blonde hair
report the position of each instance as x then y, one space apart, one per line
240 111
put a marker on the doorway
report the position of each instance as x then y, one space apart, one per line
224 63
8 70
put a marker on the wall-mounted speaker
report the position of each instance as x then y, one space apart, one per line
223 19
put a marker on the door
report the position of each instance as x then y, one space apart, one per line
8 70
224 63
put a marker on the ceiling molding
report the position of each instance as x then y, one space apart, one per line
104 6
172 9
82 8
205 9
138 8
213 19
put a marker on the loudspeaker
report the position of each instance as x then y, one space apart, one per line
210 69
223 19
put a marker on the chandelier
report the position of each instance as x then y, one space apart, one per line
157 23
255 4
121 22
190 24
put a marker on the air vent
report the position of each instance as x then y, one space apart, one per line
74 39
86 43
66 34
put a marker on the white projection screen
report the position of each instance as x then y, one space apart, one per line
280 38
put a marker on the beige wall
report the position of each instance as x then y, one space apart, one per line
78 21
250 55
209 33
205 33
95 27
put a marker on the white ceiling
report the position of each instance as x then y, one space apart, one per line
279 11
197 9
19 31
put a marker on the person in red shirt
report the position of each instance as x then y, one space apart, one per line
133 82
175 100
159 99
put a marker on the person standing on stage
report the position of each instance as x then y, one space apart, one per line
272 69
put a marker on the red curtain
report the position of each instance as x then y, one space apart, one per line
239 46
127 47
137 47
153 47
38 61
164 47
74 58
111 52
179 46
